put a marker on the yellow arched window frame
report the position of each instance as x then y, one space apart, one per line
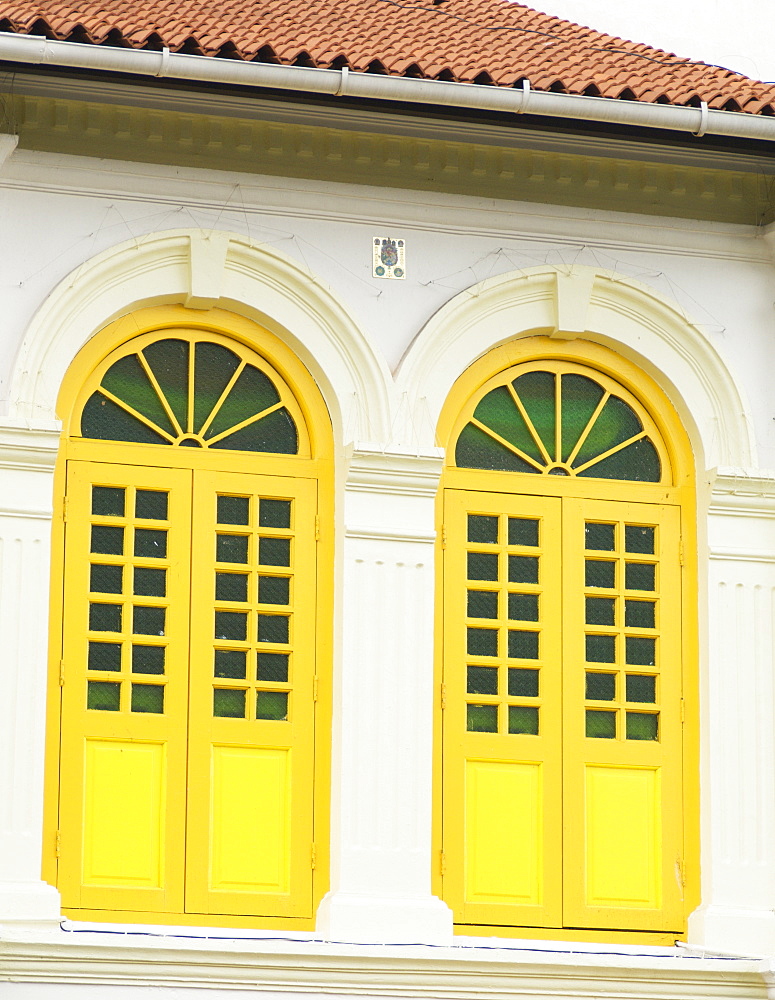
189 725
566 800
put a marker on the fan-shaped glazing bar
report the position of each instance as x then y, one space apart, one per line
136 414
507 444
529 424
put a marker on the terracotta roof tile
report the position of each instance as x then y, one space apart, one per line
484 40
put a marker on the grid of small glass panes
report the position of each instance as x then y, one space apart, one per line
621 638
127 599
253 607
503 634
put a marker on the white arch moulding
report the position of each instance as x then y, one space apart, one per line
200 269
597 305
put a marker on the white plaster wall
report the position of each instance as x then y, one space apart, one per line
737 36
721 276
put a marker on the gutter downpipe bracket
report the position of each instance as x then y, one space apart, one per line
33 50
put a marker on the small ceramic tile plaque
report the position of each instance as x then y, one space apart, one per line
388 257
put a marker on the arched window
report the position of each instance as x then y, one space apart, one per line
566 650
191 632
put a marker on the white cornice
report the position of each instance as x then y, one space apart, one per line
374 470
425 211
28 447
457 973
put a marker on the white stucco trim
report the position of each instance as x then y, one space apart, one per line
602 306
202 268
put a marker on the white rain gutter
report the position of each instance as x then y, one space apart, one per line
35 51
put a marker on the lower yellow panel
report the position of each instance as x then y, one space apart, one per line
123 818
504 832
624 840
250 820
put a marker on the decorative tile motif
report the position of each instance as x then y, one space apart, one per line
388 258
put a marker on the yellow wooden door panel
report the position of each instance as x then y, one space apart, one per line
623 837
623 783
501 725
250 848
252 722
124 697
504 808
124 814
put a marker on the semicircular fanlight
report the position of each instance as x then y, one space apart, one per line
560 424
196 394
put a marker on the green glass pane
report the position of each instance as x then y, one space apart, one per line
498 411
151 505
523 683
641 688
275 433
639 538
601 648
639 614
580 397
523 719
105 617
599 537
150 543
482 641
104 696
616 422
231 625
274 513
523 569
475 449
148 698
482 528
127 380
274 551
274 628
482 566
103 419
274 590
214 366
148 659
251 393
272 705
231 586
107 540
599 573
523 607
523 531
228 704
639 462
106 579
150 582
482 718
231 663
536 391
600 687
272 667
641 652
108 501
168 360
600 610
482 604
148 621
639 576
482 680
233 510
642 726
601 725
104 656
231 548
523 645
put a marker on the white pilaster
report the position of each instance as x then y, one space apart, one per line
27 457
738 723
381 804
